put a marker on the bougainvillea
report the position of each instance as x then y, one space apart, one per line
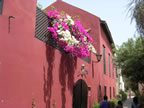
70 34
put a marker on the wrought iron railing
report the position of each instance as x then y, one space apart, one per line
42 33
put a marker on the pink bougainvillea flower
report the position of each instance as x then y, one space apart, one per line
90 39
65 26
50 13
56 25
53 31
71 37
62 43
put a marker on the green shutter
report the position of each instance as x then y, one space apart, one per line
113 71
110 93
104 60
109 66
1 6
113 92
105 91
100 94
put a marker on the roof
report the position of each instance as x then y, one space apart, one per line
102 22
106 30
61 1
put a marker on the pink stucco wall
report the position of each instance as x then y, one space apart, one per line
106 80
31 69
97 33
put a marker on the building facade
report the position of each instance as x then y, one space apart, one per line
120 82
33 73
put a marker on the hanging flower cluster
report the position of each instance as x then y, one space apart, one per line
70 34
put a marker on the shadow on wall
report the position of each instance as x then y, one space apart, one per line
66 71
48 75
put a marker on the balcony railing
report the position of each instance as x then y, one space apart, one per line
42 33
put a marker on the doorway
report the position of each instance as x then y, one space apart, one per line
80 94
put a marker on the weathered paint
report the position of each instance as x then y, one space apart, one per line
30 69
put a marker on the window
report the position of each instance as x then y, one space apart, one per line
110 93
92 70
104 61
105 91
109 66
116 71
113 71
113 92
1 6
100 95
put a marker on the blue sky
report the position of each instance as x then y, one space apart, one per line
114 12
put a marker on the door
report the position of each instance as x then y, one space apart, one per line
80 94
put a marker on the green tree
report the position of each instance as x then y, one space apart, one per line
137 9
130 57
40 6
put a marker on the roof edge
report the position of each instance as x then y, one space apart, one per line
72 6
107 31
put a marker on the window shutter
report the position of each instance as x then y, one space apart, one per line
1 6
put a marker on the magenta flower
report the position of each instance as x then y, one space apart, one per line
62 43
65 26
72 38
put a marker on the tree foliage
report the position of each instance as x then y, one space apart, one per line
130 58
137 9
40 6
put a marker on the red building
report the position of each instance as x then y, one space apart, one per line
35 74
